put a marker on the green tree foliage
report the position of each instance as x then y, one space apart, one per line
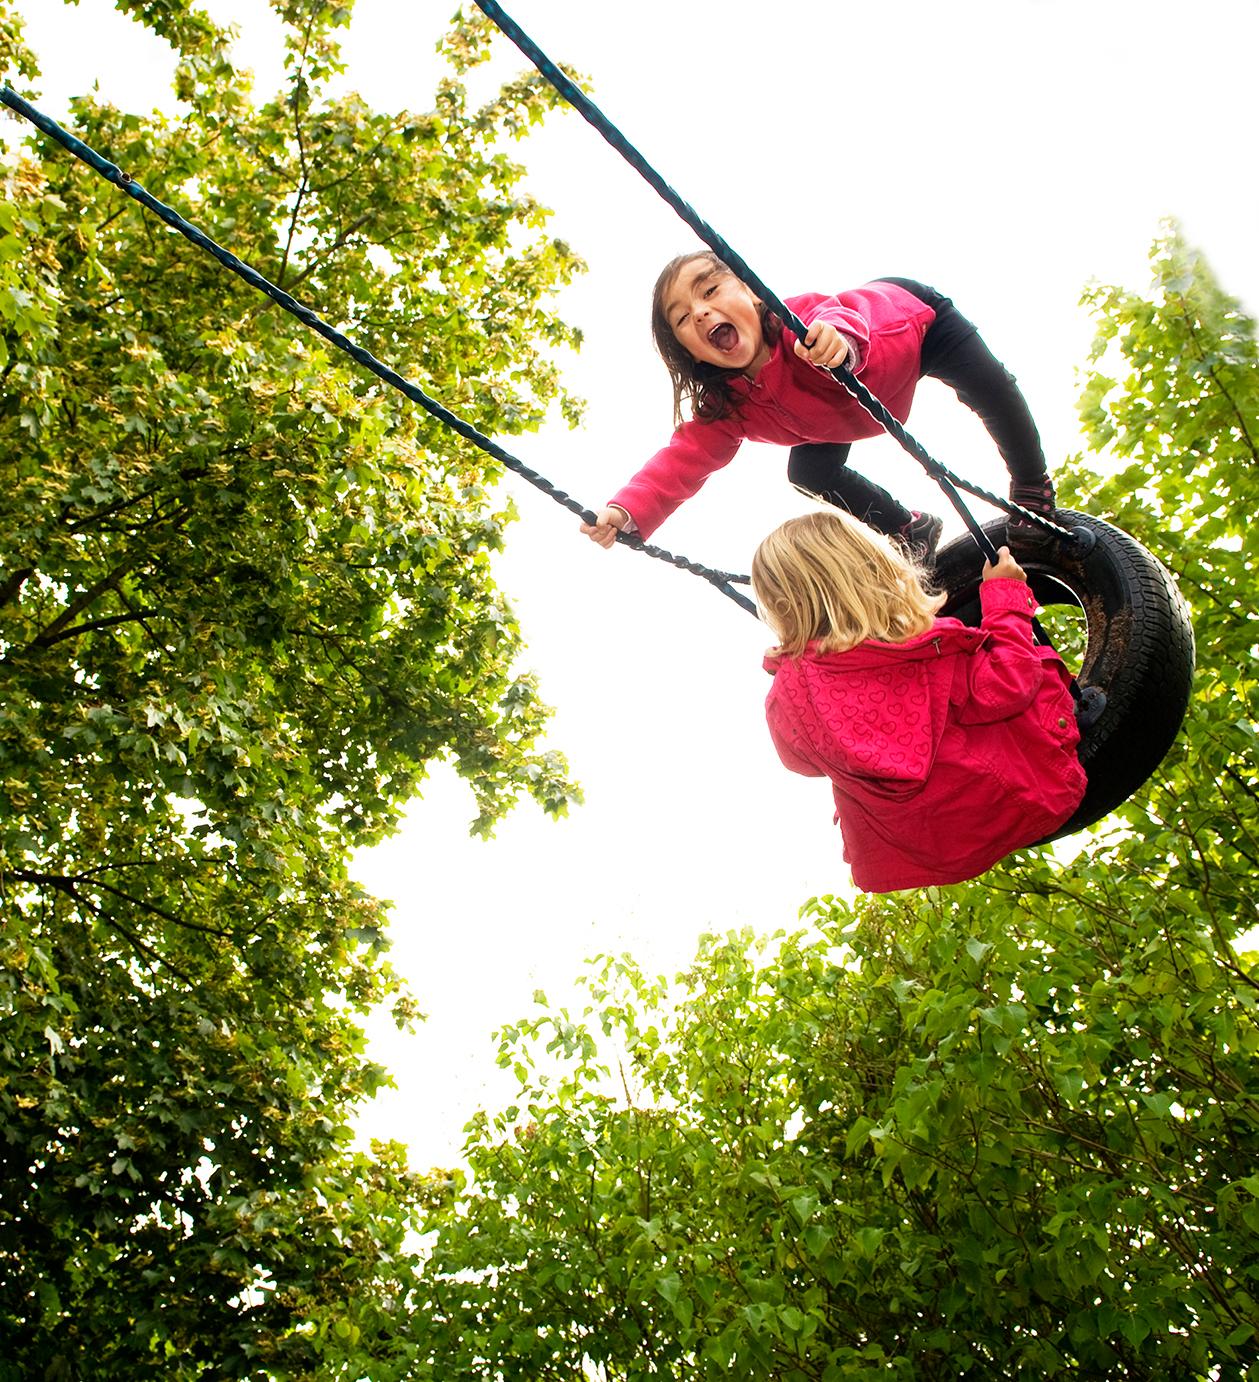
1006 1129
245 602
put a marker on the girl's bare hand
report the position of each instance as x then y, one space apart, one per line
823 345
1006 569
608 522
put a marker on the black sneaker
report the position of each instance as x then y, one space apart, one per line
922 536
1036 495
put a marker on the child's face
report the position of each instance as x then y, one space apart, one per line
715 318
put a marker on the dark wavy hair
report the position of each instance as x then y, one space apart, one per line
707 386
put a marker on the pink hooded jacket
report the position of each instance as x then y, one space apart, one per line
946 752
793 401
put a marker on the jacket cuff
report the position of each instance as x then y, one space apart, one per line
641 505
856 356
1004 593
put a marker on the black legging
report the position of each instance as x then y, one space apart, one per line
953 352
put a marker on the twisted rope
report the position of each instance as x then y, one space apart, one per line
111 172
590 112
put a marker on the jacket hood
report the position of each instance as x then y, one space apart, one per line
871 717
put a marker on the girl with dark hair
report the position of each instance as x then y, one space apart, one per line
747 377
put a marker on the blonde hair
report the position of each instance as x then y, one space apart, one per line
825 576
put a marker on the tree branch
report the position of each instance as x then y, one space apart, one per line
93 625
109 582
60 883
13 583
69 883
1228 398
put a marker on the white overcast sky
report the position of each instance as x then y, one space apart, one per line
1006 151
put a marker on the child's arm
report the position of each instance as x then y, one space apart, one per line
1004 674
669 479
788 735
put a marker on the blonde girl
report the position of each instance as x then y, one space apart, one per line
947 746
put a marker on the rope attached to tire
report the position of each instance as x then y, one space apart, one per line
591 113
722 580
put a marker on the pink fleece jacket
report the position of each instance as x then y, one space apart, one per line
946 752
792 401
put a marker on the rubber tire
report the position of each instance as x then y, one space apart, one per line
1140 649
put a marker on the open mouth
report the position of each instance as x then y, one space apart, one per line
724 337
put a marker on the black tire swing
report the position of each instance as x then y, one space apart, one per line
1139 654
